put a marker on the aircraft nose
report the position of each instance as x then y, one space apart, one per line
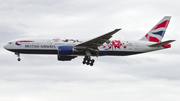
6 47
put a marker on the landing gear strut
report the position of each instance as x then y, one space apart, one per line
18 55
87 60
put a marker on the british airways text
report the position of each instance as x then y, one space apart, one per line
40 46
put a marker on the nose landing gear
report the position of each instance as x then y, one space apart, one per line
88 61
18 55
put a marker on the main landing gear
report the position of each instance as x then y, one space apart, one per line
87 60
18 55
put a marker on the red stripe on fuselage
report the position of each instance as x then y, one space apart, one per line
25 41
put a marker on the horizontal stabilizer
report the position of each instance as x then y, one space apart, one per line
162 43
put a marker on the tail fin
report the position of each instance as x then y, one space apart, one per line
157 32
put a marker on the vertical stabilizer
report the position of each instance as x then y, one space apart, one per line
157 32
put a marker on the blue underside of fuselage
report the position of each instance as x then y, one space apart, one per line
101 53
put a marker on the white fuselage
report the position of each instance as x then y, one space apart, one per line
50 46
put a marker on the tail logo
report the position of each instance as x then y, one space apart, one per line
157 32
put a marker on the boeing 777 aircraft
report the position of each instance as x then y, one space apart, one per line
69 49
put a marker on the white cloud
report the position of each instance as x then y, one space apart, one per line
140 90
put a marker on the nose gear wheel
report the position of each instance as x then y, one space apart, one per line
18 55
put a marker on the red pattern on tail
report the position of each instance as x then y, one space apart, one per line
163 24
152 39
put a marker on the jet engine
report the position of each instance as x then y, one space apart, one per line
65 50
65 58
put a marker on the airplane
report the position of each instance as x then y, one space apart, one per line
68 49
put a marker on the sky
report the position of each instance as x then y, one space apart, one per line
144 77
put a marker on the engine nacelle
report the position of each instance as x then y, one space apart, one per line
65 49
65 58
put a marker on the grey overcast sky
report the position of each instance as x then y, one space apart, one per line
153 76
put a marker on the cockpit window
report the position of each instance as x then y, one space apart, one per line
10 43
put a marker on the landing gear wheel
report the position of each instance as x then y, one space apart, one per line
92 62
84 62
87 60
19 59
18 55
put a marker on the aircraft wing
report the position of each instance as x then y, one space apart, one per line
98 41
